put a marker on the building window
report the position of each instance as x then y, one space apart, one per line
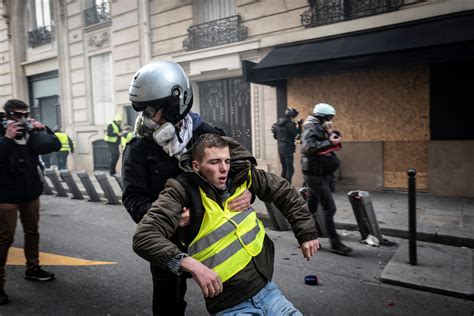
218 25
101 79
41 25
44 98
97 11
210 10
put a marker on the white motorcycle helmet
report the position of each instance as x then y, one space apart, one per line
324 110
162 84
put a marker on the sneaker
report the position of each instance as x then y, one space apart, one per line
3 297
338 247
38 274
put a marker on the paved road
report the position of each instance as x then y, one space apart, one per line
92 231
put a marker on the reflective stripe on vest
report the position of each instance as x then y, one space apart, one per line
227 240
112 139
64 141
125 139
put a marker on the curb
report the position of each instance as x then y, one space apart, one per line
399 233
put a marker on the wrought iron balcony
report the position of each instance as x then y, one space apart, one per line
97 14
330 11
40 36
214 33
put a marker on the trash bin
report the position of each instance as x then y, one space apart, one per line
279 221
364 213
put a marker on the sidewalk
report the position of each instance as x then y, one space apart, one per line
444 220
445 239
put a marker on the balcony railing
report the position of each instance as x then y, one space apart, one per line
214 33
97 14
330 11
40 36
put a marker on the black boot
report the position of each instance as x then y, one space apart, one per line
3 297
338 247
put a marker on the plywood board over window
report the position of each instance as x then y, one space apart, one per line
389 106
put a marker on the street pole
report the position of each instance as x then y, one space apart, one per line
412 216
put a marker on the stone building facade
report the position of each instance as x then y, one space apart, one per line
72 60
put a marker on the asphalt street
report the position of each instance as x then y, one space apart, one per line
98 232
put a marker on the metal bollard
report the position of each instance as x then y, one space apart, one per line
46 189
76 194
53 176
365 215
119 181
279 221
412 216
107 188
87 183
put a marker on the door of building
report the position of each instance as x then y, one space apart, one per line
225 103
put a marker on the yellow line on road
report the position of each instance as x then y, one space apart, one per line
16 257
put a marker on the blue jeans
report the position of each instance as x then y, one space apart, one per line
269 301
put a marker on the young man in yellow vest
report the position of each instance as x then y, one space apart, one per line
67 145
228 253
113 139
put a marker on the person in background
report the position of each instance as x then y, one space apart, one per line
319 162
113 139
126 136
67 146
20 188
285 131
228 254
164 130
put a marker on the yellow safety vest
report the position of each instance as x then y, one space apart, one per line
227 240
64 141
125 139
112 139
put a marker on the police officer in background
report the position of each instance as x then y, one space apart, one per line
285 131
67 145
21 141
319 162
164 130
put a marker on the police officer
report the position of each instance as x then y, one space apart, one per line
164 130
319 162
285 132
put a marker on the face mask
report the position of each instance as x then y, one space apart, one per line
327 124
149 123
164 133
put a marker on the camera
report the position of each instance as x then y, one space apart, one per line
26 126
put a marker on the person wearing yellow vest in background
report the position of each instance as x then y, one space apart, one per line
127 135
113 139
67 146
228 253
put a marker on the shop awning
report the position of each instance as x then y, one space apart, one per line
418 42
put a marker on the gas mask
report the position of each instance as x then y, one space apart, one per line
161 133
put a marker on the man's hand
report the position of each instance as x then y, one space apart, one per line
208 280
335 139
37 124
12 130
309 248
185 217
241 203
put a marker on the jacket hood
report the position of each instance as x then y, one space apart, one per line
238 155
311 120
282 121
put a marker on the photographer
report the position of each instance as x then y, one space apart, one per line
21 141
319 162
